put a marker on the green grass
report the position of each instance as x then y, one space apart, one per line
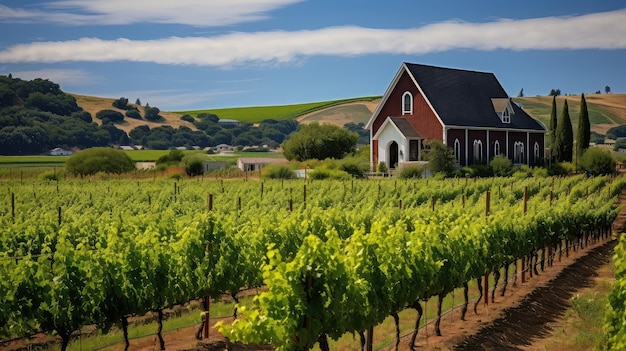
257 114
32 160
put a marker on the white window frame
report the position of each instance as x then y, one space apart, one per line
536 151
457 151
478 151
496 148
518 152
405 110
506 115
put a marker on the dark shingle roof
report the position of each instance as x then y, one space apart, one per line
405 127
464 98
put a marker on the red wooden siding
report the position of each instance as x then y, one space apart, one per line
423 118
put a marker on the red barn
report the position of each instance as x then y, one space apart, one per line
467 110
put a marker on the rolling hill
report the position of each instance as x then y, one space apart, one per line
605 111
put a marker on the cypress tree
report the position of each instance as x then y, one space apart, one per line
564 141
583 134
553 124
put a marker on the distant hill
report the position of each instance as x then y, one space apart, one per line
605 110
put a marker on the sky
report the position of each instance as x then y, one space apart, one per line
203 54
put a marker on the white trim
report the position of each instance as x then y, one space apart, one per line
478 144
520 145
466 148
384 125
497 129
528 148
404 110
507 145
457 156
488 146
385 97
496 146
536 151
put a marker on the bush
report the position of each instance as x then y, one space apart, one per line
381 167
501 166
187 118
133 114
152 114
561 169
193 164
522 172
278 171
121 103
597 161
48 176
174 157
540 172
101 159
412 171
353 167
440 157
111 115
323 172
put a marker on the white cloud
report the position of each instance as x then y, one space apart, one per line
63 77
593 31
201 13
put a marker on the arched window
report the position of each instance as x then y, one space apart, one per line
536 151
506 116
518 152
496 148
407 103
478 151
457 151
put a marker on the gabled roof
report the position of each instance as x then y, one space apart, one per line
402 125
462 98
500 104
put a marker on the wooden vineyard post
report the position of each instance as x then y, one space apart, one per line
551 197
434 201
400 205
463 200
60 217
486 287
210 202
207 313
262 190
523 269
525 199
304 193
239 203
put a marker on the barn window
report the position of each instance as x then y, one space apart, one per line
536 151
478 151
407 103
518 152
506 116
496 148
457 151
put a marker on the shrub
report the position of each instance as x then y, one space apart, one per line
152 114
412 171
121 103
278 171
353 167
193 165
101 159
48 176
111 115
540 172
187 118
440 157
133 114
172 158
597 161
522 171
323 172
381 167
501 166
561 168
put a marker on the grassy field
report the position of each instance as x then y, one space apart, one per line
256 114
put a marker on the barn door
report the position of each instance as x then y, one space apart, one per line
393 154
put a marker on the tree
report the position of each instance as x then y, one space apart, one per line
607 89
521 93
138 102
564 136
99 159
112 115
440 157
553 125
121 103
319 141
152 113
597 161
555 92
583 135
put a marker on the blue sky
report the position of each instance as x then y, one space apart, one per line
196 54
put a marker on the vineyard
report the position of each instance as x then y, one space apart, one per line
335 257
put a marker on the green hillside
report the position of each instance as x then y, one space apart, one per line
256 114
605 110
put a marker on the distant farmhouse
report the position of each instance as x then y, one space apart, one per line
60 152
256 163
468 111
